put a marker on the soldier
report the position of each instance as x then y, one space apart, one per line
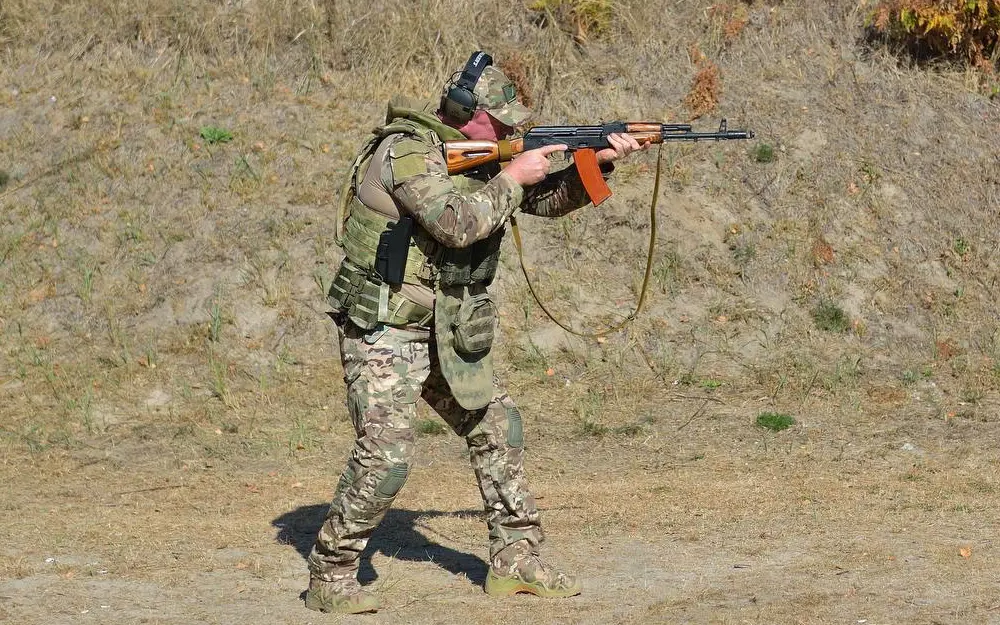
415 320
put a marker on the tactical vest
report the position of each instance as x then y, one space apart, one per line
358 289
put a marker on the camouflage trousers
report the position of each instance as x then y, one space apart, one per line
387 370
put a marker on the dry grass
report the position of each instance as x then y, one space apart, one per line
170 388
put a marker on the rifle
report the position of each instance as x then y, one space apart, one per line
583 141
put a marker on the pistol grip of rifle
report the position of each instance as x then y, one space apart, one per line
590 174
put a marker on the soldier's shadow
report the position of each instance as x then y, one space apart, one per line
396 536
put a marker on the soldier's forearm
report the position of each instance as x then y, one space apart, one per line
457 219
559 194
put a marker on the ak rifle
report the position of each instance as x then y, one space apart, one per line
583 142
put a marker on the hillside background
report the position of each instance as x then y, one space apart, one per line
173 421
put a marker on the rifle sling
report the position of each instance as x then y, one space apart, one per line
645 280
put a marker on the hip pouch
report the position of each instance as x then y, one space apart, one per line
475 325
466 315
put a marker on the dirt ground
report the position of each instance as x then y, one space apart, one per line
173 422
715 523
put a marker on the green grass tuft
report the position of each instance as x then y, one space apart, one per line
831 317
628 430
775 421
593 429
430 427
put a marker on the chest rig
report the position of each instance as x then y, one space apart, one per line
386 257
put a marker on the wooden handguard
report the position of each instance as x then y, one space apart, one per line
645 132
590 174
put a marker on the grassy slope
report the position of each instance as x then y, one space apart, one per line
160 297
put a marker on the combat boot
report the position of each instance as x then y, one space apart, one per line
520 571
343 596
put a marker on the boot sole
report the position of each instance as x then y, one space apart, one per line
499 587
321 606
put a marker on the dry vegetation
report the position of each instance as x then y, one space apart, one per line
172 420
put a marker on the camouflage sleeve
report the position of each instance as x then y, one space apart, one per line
417 175
560 193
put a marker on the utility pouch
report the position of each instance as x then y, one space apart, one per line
474 325
474 264
469 375
393 249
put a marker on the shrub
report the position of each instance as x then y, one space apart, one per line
764 153
706 88
214 134
965 29
592 428
831 317
580 18
730 19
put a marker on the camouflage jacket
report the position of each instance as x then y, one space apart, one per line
407 173
459 210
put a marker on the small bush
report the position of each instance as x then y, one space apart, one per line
582 19
630 429
764 153
4 179
961 246
729 19
214 134
775 421
965 29
831 317
706 89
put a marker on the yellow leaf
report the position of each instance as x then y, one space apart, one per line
965 552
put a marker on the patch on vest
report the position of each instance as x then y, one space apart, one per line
408 158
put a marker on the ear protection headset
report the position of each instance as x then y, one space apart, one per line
459 101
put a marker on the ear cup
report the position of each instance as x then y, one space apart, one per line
459 102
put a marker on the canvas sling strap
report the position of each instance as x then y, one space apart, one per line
645 280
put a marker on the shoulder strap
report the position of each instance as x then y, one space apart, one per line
349 188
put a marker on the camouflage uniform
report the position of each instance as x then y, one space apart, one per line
388 366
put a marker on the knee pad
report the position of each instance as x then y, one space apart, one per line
393 481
